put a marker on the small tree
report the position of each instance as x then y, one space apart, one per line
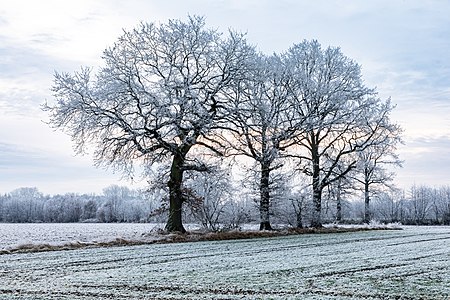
337 192
388 206
420 204
157 98
297 202
208 195
374 160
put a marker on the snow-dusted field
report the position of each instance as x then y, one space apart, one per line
413 263
18 236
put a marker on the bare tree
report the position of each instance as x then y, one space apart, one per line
337 192
237 212
388 206
157 98
298 204
25 205
327 89
373 162
445 204
117 199
262 123
208 195
419 204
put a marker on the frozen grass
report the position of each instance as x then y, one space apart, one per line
44 236
408 264
16 235
40 237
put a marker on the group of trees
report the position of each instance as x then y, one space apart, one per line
117 204
420 205
182 99
218 205
214 210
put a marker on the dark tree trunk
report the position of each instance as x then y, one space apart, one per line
175 222
366 203
338 204
297 204
316 220
338 211
264 204
299 217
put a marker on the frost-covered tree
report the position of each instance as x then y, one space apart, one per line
63 208
336 194
118 201
3 199
388 205
420 204
294 207
157 98
25 205
262 123
89 210
373 162
208 194
327 89
442 205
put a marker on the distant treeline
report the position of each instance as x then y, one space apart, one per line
421 205
117 204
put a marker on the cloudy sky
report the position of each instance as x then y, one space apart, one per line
403 47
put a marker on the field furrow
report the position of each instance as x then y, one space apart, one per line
408 264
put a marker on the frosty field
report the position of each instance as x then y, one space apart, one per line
413 263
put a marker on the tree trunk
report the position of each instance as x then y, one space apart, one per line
366 204
174 222
299 217
264 204
338 206
297 204
316 220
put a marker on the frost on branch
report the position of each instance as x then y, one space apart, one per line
328 91
158 96
262 123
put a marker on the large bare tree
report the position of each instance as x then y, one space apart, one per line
158 97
